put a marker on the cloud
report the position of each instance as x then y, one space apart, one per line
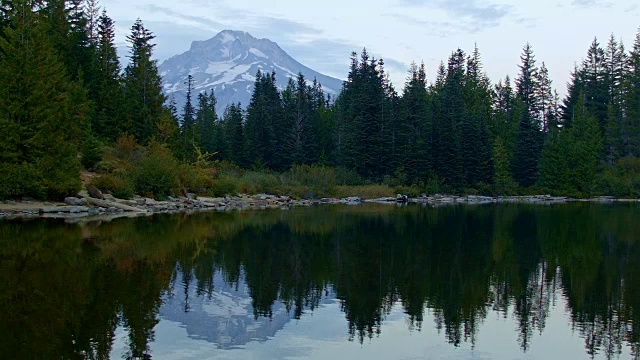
483 15
591 4
179 17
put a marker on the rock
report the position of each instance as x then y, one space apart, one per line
150 202
64 209
109 204
74 201
94 192
350 200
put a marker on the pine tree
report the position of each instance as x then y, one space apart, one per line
586 150
41 111
108 96
476 146
527 83
301 138
208 127
503 181
234 131
544 94
264 128
554 169
504 121
596 92
448 161
630 131
188 130
575 87
414 126
142 86
92 11
529 138
69 35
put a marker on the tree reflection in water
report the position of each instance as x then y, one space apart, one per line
64 289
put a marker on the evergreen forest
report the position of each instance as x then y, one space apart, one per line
68 105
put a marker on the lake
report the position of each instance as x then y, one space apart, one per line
327 282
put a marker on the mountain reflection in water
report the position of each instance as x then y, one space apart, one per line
233 279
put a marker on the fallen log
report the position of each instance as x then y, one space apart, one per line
117 205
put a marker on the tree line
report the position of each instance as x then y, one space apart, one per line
64 96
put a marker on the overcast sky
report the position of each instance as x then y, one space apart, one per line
322 34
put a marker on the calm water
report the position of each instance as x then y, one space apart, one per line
331 282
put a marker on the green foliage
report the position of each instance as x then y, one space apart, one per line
255 182
41 110
365 191
155 174
223 186
20 180
345 176
503 181
195 179
142 86
91 152
316 180
623 179
118 185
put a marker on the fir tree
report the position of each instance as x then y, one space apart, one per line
188 130
503 181
586 150
476 146
414 126
264 131
595 87
234 131
630 131
108 96
142 86
206 123
529 139
41 111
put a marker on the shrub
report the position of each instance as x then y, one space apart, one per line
91 152
156 173
410 191
223 186
622 180
20 180
345 176
365 191
196 179
60 175
117 185
434 185
311 181
253 182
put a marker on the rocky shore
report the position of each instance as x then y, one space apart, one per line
98 206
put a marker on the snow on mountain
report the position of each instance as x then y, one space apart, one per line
228 63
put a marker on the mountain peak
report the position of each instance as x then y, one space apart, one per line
228 62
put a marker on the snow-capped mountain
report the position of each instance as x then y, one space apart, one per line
228 63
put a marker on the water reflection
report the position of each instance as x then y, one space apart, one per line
232 278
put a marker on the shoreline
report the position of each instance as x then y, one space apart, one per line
87 208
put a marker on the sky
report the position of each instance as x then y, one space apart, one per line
322 34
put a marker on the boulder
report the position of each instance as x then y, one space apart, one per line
94 192
64 209
74 201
